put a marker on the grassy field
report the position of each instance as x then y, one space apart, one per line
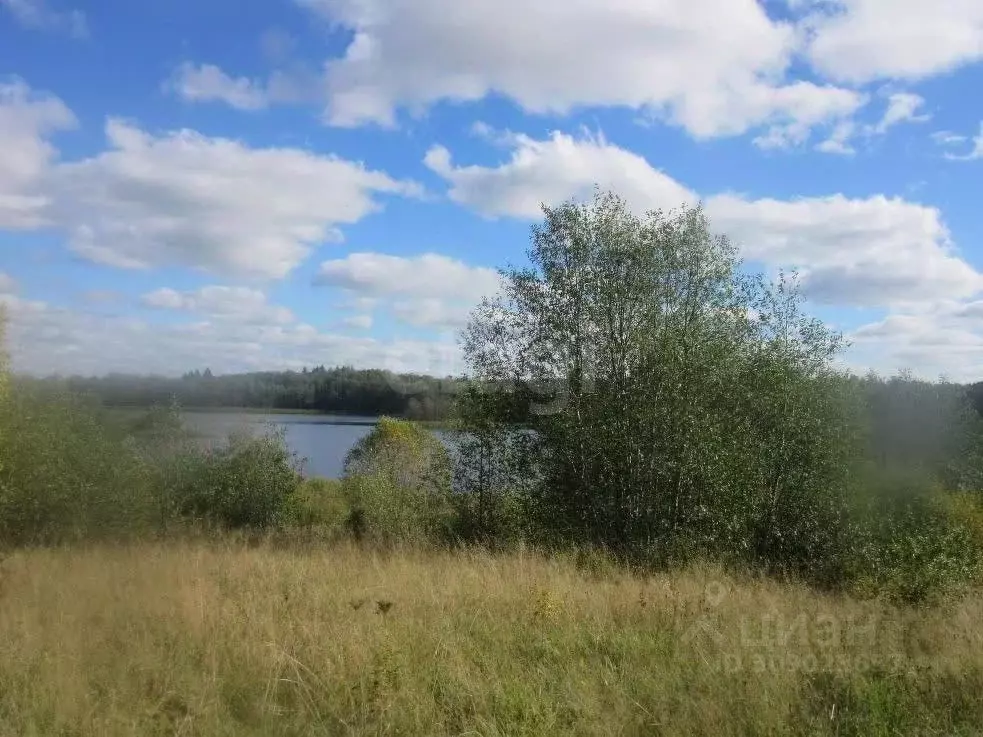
228 639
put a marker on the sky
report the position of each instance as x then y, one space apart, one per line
275 184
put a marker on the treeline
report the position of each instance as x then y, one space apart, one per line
342 390
369 392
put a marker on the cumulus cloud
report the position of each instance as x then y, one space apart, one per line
426 275
426 291
27 119
38 15
858 41
902 107
944 340
714 67
178 198
45 339
868 251
214 204
208 83
433 313
555 169
871 251
241 304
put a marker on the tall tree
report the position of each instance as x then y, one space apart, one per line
671 401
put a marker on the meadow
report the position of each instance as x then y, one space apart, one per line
247 637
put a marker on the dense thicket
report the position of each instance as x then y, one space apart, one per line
670 405
342 390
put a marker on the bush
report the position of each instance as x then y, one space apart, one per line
247 483
67 473
495 517
318 504
914 543
398 484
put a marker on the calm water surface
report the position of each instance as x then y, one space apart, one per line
322 440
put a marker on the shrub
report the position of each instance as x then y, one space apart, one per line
966 509
317 504
913 543
246 483
496 517
398 484
66 473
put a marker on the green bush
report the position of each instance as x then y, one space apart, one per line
911 541
317 504
245 483
496 517
398 484
67 473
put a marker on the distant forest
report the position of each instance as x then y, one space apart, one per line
341 390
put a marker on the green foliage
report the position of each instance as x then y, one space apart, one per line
342 390
246 483
66 473
672 403
639 392
911 541
317 504
924 429
398 483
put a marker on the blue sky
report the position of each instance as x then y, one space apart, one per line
295 182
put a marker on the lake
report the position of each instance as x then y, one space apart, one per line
323 440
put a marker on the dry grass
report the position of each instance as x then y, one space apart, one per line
208 639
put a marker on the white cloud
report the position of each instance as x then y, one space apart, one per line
902 107
871 251
973 154
26 120
558 168
433 313
812 106
948 138
242 304
208 83
714 67
426 275
37 15
209 203
945 339
359 322
838 141
859 41
45 339
426 291
858 251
